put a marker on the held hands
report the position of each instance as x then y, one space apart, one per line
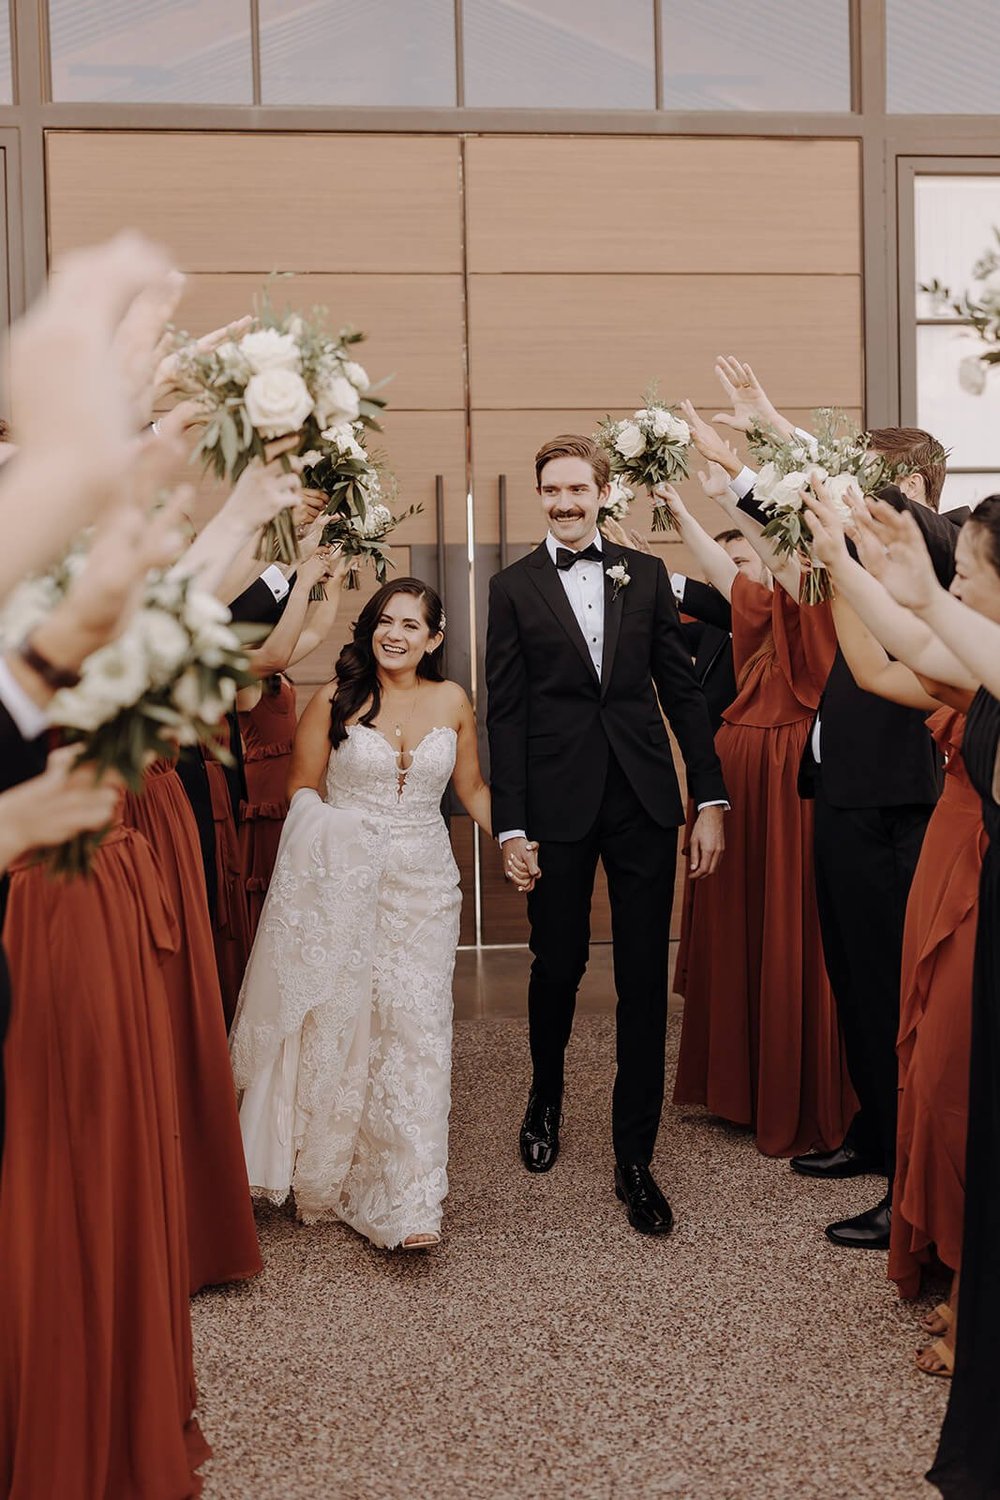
520 863
708 442
747 397
708 840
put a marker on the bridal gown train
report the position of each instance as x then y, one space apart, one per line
342 1038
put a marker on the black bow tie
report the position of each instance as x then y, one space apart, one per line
565 558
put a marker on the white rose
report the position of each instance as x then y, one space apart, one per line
357 375
278 402
767 479
619 500
629 440
337 401
164 641
342 438
666 425
972 375
201 609
837 487
785 494
267 349
115 677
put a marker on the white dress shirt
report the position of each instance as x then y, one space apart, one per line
31 720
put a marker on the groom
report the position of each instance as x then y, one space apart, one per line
583 639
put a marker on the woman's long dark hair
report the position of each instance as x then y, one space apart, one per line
986 518
357 675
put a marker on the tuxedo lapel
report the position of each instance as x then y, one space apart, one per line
613 606
544 575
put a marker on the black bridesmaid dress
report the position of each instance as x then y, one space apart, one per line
967 1466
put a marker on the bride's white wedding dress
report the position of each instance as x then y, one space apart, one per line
342 1038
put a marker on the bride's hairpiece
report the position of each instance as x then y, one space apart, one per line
443 623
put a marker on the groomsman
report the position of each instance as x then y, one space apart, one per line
709 631
584 648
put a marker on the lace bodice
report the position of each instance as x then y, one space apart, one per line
364 773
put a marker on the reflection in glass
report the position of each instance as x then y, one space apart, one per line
357 52
954 220
968 489
151 51
559 54
773 55
943 57
965 423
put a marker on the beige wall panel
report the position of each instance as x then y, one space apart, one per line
558 341
665 204
262 203
415 324
505 443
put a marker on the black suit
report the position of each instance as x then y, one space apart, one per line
875 787
710 642
584 765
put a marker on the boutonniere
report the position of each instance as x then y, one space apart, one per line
620 578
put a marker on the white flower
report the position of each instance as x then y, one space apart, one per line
27 606
115 677
357 375
201 609
666 425
618 501
629 440
278 402
376 520
972 375
777 493
187 695
164 640
837 487
233 361
267 349
620 577
337 401
342 438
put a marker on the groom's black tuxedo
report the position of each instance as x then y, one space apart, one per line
581 761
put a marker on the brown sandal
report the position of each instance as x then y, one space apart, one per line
944 1316
939 1349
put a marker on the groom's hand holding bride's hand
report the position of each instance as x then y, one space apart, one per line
520 863
708 840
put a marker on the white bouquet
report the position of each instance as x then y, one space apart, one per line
838 452
649 448
357 488
618 503
273 392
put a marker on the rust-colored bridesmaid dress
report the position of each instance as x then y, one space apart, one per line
221 1235
268 732
760 1042
96 1376
935 1019
230 920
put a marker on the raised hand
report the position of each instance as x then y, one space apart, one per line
261 492
715 482
672 500
906 569
615 532
168 366
747 397
140 336
309 505
826 522
708 442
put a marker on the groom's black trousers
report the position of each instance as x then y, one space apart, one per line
639 859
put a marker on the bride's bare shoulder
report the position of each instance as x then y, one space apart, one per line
453 699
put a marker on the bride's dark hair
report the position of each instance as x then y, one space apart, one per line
357 675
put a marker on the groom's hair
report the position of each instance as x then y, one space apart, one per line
573 445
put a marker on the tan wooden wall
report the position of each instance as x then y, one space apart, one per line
514 287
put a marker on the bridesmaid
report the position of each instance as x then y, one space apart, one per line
760 1043
96 1376
230 918
222 1241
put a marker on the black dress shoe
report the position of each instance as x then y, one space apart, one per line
867 1231
844 1162
540 1133
648 1210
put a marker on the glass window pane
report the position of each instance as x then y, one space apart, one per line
6 71
559 54
151 51
943 58
357 52
965 423
968 489
954 224
782 55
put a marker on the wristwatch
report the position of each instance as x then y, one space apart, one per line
53 676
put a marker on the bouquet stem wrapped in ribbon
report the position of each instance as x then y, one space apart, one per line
649 448
272 393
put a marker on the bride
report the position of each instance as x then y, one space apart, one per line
342 1038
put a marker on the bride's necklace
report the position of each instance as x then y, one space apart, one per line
400 725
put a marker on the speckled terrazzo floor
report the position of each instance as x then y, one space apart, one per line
545 1349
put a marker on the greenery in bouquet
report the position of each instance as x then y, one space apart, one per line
649 448
359 495
166 681
980 307
274 392
838 449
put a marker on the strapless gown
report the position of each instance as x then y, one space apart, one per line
342 1038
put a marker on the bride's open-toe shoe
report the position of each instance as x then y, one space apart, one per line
420 1242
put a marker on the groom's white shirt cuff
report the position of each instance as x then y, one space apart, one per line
513 833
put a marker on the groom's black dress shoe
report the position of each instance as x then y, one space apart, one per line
868 1231
844 1162
540 1133
648 1210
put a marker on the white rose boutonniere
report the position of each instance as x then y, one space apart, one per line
620 578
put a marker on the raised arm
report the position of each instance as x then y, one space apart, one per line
260 493
784 568
712 559
748 399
